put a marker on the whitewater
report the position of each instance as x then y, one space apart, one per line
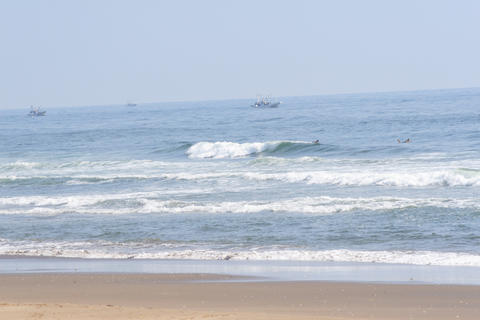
218 180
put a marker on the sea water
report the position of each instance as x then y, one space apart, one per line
214 180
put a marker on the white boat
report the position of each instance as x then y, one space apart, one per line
265 102
36 112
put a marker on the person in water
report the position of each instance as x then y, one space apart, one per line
406 141
315 142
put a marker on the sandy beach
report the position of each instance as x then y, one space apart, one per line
203 296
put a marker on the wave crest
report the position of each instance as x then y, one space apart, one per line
225 149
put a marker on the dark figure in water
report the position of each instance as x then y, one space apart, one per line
315 142
406 141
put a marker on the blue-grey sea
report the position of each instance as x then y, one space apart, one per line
214 180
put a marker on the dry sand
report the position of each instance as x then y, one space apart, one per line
196 296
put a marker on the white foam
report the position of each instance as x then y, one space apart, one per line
153 202
224 149
20 165
341 255
58 169
308 170
438 178
105 249
367 177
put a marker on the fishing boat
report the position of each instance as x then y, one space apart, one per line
36 112
265 102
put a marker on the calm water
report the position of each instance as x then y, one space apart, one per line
222 180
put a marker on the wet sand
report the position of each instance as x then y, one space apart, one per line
204 296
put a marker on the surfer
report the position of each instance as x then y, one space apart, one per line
406 141
315 142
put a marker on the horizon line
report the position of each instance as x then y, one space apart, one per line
230 99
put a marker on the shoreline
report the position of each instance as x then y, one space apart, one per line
250 269
200 296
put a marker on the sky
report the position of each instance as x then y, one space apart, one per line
83 52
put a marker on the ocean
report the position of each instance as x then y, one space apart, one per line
220 180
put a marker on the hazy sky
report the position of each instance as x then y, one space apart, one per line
68 53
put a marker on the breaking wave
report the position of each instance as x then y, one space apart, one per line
224 149
145 203
446 178
365 177
149 250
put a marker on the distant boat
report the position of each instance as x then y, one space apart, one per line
36 112
265 102
131 104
